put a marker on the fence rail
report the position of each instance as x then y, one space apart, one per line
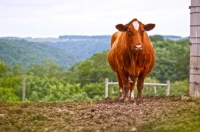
167 85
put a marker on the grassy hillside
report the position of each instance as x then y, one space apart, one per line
24 53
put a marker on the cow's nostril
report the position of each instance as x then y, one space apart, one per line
138 46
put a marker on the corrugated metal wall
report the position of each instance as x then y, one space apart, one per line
194 48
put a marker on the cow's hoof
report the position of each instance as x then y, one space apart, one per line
126 99
120 99
132 100
139 101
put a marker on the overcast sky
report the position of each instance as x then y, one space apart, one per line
51 18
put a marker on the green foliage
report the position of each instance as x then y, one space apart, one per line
155 38
92 70
95 89
172 60
7 95
3 69
46 69
52 89
113 91
149 90
80 97
34 96
179 87
10 81
45 82
17 70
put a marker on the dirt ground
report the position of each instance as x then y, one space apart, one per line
154 114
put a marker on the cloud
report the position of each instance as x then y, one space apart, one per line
38 18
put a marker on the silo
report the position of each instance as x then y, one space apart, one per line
194 49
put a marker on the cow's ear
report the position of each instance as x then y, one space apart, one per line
121 27
149 27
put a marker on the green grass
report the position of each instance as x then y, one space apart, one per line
184 118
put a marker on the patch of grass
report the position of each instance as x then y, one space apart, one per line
15 109
38 117
79 106
183 119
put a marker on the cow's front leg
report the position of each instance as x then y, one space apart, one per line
132 84
126 90
121 94
139 95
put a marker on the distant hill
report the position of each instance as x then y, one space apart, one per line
85 46
15 51
85 37
172 37
77 45
82 46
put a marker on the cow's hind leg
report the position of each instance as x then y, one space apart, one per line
140 85
121 91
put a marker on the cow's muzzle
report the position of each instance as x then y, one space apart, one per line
137 47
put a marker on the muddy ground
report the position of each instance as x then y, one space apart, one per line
155 114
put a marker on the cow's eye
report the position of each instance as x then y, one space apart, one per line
142 33
129 32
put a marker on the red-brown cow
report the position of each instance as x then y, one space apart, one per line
132 57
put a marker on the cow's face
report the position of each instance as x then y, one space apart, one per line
135 33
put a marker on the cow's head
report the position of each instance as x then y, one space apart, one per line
135 33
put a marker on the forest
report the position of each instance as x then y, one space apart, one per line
48 81
21 52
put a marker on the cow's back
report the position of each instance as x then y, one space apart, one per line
114 38
112 60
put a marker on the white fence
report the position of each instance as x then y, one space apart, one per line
167 85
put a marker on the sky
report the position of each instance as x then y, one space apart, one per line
52 18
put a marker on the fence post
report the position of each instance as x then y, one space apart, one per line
23 87
168 88
154 89
106 87
113 91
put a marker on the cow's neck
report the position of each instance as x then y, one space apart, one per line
133 66
134 58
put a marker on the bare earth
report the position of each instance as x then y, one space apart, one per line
154 114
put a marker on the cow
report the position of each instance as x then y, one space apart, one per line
132 57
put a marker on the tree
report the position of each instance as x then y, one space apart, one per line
47 68
94 69
172 60
7 95
156 38
3 69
